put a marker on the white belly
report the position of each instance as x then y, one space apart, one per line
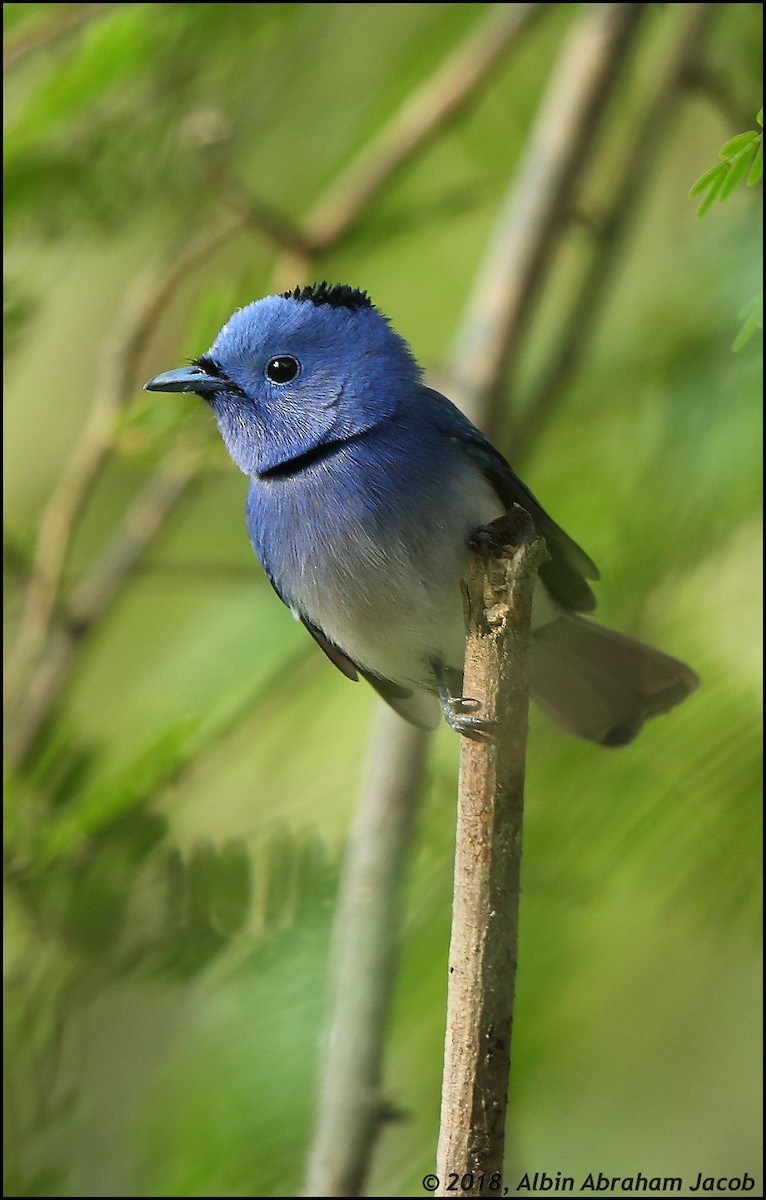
382 581
393 604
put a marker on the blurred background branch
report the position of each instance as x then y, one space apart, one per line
640 158
94 593
61 21
539 205
352 1105
440 100
115 389
426 114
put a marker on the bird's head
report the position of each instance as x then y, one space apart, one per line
297 371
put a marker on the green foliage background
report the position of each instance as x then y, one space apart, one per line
173 842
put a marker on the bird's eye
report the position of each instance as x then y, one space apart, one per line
282 369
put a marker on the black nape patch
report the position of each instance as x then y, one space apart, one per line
337 295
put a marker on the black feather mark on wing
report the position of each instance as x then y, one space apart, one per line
568 567
398 697
564 578
336 656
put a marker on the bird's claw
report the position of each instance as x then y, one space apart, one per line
457 712
462 704
478 729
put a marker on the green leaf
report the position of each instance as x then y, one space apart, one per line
713 191
738 143
756 171
759 117
737 172
719 170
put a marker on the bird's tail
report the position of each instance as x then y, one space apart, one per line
600 685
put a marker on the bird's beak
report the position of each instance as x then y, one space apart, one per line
185 379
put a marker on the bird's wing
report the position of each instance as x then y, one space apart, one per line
568 567
418 707
336 656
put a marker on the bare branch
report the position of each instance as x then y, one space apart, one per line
482 958
426 113
92 451
142 522
604 46
352 1105
539 202
92 597
63 20
639 159
274 225
208 130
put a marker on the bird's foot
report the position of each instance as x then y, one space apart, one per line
478 729
457 710
459 705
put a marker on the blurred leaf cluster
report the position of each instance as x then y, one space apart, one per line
175 823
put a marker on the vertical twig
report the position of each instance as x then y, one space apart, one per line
352 1104
482 958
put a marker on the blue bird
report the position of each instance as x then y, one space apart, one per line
365 489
